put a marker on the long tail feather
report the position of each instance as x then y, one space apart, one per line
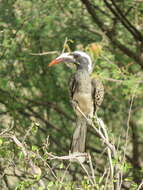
79 136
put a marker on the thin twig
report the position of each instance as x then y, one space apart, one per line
91 167
19 144
140 186
102 177
64 174
106 182
52 172
28 132
92 182
45 53
128 124
35 169
108 149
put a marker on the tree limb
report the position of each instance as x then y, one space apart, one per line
92 11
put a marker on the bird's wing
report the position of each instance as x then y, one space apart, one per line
72 86
97 92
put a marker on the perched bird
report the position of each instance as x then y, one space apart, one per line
86 95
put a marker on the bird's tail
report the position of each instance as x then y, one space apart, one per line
79 136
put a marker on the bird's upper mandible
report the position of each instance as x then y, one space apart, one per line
81 59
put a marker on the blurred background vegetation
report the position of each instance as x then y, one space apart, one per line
36 117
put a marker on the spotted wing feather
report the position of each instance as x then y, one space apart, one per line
97 93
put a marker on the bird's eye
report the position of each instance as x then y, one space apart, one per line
76 55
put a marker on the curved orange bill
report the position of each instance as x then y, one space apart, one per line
56 61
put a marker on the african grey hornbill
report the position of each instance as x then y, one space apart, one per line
86 94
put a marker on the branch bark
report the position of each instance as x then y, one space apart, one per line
136 154
123 19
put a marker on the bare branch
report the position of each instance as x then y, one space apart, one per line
140 186
45 53
126 22
122 18
69 157
19 144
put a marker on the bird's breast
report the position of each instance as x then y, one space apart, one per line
83 93
84 102
83 81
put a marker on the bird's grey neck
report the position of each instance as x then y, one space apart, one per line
83 66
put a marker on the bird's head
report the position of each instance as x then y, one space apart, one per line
81 59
